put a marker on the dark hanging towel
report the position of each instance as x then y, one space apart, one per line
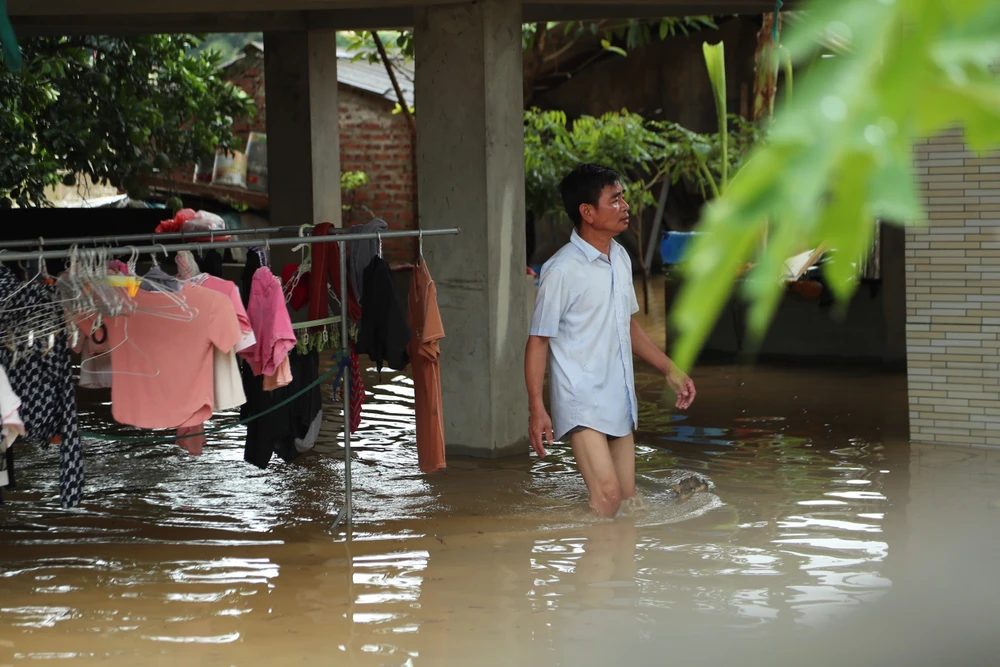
210 262
276 432
250 268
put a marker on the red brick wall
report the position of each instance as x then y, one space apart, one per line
248 74
372 140
377 142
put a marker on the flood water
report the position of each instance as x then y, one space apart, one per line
826 537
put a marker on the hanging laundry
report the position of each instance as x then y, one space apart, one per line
231 290
163 373
361 253
95 362
285 431
425 353
384 333
325 273
211 263
227 384
249 269
118 266
13 427
43 380
357 391
187 267
271 324
296 286
158 280
281 377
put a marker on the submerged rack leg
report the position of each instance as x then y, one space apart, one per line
339 520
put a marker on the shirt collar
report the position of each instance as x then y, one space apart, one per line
590 251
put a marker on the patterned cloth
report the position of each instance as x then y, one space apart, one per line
357 391
44 381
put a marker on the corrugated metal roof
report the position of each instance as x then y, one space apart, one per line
360 74
373 77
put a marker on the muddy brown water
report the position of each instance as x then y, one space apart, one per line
822 531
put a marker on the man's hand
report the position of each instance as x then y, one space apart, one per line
540 430
682 386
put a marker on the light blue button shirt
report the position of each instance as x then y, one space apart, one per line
584 307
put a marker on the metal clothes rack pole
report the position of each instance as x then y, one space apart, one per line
338 236
161 248
152 237
345 515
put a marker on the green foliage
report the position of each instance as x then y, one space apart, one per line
229 44
645 152
838 155
349 182
398 44
111 110
635 33
632 32
715 59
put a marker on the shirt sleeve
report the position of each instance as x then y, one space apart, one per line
630 286
433 326
550 304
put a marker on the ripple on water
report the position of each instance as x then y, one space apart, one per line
789 524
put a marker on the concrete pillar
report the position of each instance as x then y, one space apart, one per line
470 174
303 135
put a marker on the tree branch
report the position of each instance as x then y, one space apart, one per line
395 83
534 63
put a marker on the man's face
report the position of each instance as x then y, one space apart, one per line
611 213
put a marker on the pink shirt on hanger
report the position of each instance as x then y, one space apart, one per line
230 289
271 324
162 369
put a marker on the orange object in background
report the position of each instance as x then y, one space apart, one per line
425 354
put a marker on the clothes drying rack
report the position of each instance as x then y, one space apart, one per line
111 246
151 237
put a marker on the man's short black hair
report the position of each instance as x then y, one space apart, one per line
584 185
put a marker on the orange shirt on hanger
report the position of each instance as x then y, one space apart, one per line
425 353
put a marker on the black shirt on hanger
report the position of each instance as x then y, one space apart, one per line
211 263
384 333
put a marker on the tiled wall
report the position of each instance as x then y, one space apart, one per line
953 298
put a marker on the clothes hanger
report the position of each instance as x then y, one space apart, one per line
305 265
125 340
260 254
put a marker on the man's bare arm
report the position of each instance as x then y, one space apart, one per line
644 348
536 354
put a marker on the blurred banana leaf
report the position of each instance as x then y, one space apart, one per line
11 52
838 155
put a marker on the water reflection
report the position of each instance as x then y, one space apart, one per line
209 561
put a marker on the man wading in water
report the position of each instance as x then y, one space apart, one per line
584 314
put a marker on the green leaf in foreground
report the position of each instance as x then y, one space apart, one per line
839 152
